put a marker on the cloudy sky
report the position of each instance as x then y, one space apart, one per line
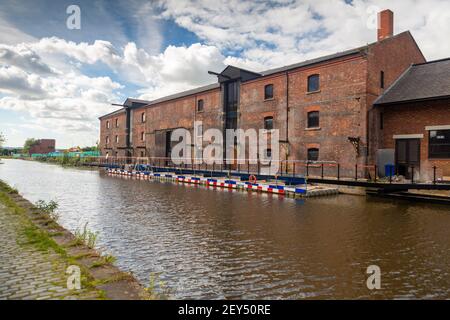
55 81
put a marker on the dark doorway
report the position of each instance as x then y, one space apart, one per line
168 146
407 155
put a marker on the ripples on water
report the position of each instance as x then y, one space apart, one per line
231 244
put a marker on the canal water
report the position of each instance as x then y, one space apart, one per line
208 243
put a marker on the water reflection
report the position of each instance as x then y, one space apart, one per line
231 244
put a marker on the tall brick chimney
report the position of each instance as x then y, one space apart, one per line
385 24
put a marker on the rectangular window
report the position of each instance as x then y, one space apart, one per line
313 154
143 117
142 136
117 123
313 119
117 139
439 144
268 123
268 92
313 83
382 79
107 139
107 124
200 105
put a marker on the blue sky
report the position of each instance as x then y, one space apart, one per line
55 82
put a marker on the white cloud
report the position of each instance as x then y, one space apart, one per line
276 33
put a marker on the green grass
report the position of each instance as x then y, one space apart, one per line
42 240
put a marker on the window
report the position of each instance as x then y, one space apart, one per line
107 125
313 83
142 136
117 123
439 144
107 139
313 119
382 79
269 153
313 154
200 105
117 139
142 154
268 123
143 117
268 92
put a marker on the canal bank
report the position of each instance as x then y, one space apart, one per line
38 256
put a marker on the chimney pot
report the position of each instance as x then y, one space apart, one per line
385 24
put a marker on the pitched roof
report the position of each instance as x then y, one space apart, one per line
185 93
424 81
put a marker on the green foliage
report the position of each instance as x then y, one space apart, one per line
27 145
157 289
48 208
86 236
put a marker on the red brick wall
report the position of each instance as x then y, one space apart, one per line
43 146
113 147
412 119
181 113
340 103
393 56
138 127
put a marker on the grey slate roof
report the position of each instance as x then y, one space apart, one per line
423 81
316 60
185 93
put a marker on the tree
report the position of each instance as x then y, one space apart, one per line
27 145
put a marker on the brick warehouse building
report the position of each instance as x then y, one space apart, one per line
42 146
324 108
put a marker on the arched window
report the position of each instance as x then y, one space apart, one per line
313 119
117 139
143 117
107 125
268 123
313 154
142 136
107 139
268 92
313 83
117 123
200 104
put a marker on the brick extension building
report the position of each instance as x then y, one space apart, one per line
324 108
42 146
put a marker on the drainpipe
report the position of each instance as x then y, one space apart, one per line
287 114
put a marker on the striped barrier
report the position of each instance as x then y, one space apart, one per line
224 184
